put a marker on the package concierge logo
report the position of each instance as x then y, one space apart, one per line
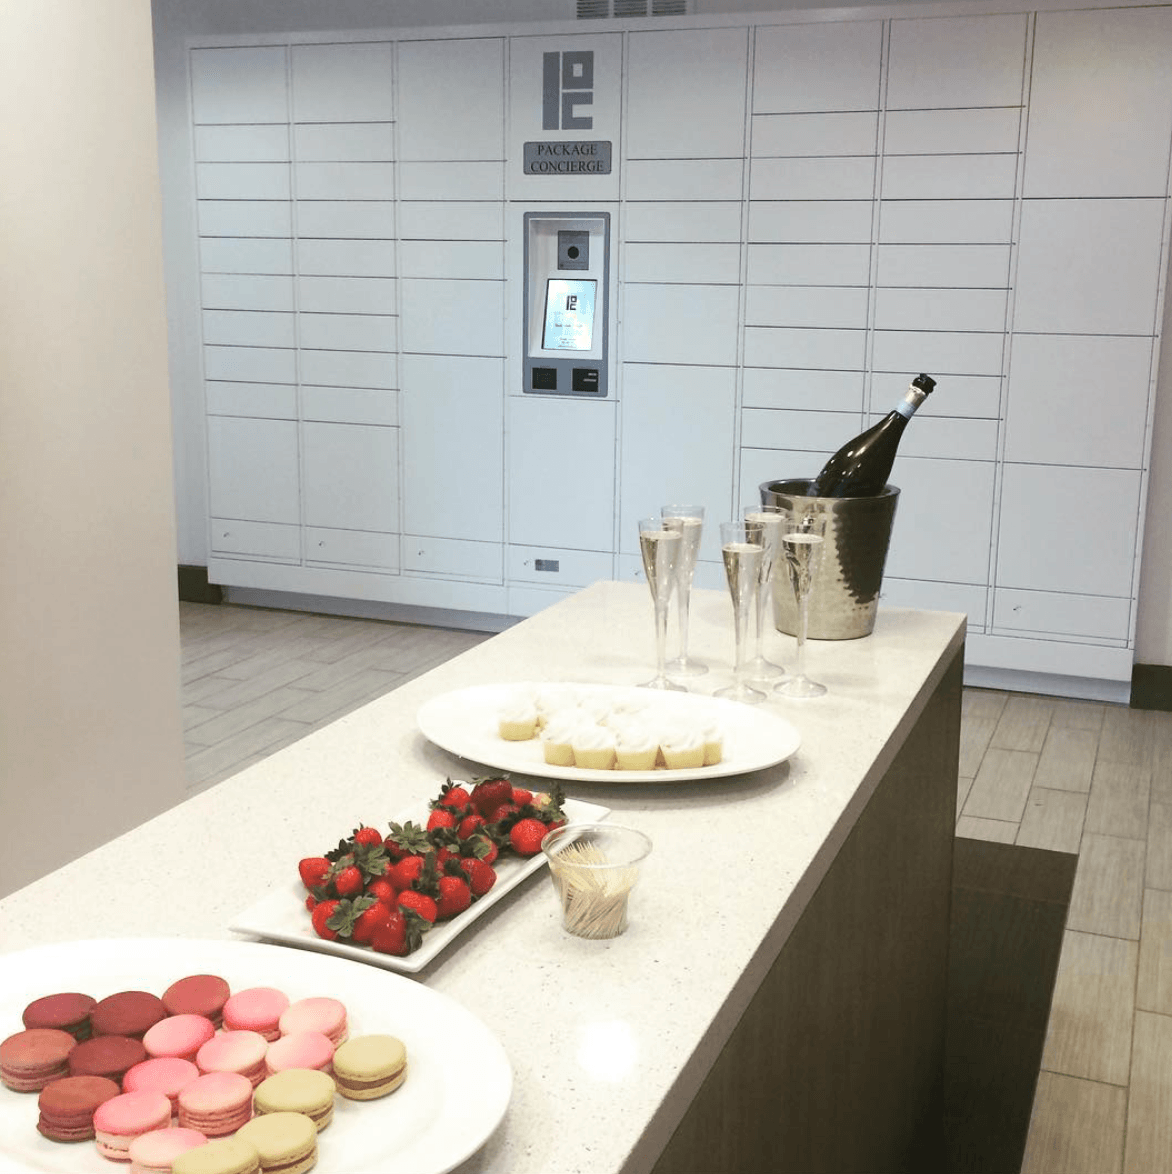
567 88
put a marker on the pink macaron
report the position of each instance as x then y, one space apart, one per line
316 1014
235 1051
216 1104
118 1121
178 1035
302 1049
258 1008
169 1075
154 1152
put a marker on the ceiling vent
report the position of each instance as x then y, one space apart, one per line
602 9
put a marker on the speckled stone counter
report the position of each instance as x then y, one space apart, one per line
781 982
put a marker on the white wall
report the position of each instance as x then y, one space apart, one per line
174 19
90 735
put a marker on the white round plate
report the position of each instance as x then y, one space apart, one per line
441 1115
464 722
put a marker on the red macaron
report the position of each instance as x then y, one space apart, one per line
67 1106
33 1057
68 1011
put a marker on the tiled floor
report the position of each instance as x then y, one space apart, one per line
1095 780
1072 776
255 680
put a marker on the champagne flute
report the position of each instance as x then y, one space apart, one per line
803 536
689 521
660 548
770 518
741 546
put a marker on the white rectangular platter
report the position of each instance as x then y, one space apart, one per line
281 916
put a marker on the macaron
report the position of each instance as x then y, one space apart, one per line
68 1011
106 1055
127 1013
235 1051
303 1049
297 1090
198 994
225 1155
217 1103
258 1008
30 1059
118 1121
169 1075
370 1066
316 1014
67 1106
286 1142
154 1152
178 1035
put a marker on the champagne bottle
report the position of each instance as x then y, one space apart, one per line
861 467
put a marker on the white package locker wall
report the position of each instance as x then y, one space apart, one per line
805 212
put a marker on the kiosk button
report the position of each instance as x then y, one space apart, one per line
584 379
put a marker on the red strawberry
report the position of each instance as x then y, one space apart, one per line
503 812
406 872
468 825
383 891
313 870
454 796
348 881
455 896
367 835
420 903
526 836
399 934
322 912
310 902
481 846
405 839
521 796
489 794
368 921
481 875
442 817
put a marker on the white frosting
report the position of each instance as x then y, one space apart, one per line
593 738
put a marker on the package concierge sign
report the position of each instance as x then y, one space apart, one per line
567 92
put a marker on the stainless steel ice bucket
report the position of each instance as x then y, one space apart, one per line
845 594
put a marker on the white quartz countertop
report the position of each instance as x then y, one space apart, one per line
608 1040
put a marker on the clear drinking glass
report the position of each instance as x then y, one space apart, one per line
689 521
770 518
803 537
660 548
741 547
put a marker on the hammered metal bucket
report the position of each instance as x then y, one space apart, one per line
845 595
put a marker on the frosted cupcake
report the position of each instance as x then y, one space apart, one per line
518 720
636 748
683 749
553 701
594 748
557 738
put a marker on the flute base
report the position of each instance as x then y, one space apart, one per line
741 692
760 669
686 666
663 683
800 687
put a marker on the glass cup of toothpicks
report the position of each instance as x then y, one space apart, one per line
594 867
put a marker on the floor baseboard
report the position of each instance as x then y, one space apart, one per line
195 588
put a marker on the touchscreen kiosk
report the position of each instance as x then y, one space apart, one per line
566 273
